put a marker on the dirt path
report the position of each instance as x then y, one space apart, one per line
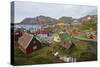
89 40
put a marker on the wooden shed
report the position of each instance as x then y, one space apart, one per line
66 45
28 43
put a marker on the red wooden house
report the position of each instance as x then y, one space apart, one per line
28 43
40 31
43 32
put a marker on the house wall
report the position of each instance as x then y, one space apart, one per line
30 49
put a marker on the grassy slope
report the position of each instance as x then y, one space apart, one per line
41 56
84 51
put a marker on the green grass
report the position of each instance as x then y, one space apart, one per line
82 35
84 51
40 56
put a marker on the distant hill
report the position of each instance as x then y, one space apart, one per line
38 20
44 20
66 19
85 18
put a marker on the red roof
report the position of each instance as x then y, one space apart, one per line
41 31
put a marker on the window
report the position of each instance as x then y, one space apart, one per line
34 47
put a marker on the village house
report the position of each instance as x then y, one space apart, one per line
43 32
50 39
56 38
66 45
44 41
91 35
65 42
60 24
28 43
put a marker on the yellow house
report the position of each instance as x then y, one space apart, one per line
56 38
60 24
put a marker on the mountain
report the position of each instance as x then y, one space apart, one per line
39 20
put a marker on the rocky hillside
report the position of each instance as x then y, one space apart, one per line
39 20
66 19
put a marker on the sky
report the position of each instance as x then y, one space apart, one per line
33 9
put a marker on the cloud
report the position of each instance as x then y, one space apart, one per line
31 9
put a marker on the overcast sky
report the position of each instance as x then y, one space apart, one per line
33 9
